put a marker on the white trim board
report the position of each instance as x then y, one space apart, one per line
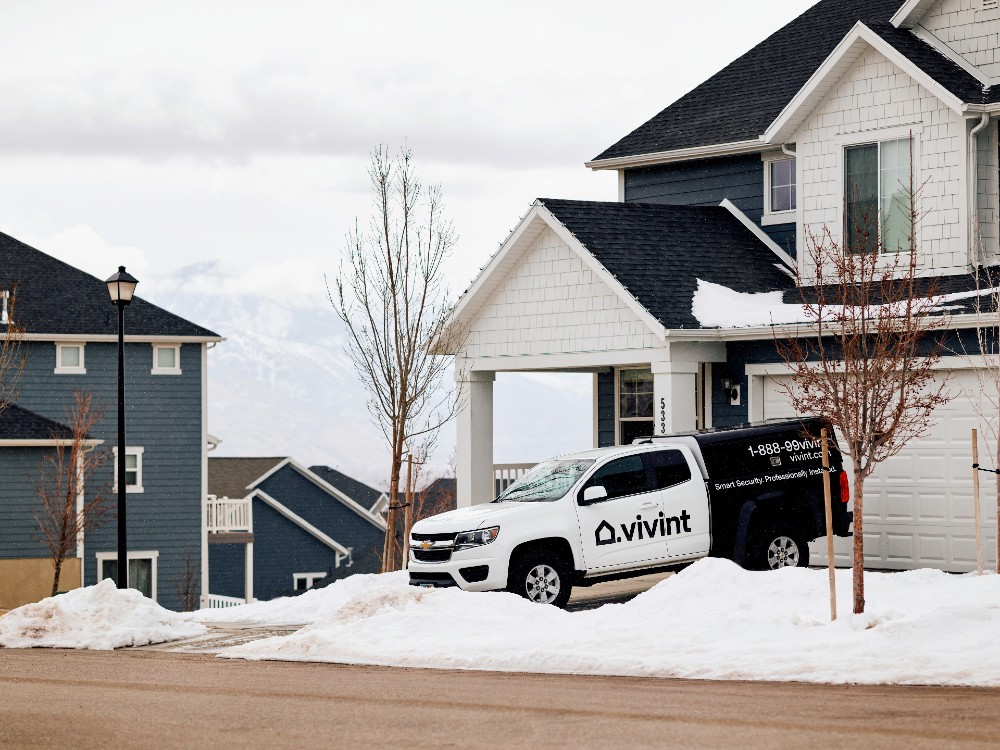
759 233
911 12
732 148
301 523
50 443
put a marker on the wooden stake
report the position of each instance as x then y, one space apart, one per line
408 512
975 499
829 524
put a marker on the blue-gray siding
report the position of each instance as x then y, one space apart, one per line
19 474
605 409
707 182
163 417
227 570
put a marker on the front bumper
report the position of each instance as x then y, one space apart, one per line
472 573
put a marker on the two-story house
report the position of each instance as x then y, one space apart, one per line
71 343
656 293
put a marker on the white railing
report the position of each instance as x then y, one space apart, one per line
217 601
225 514
505 475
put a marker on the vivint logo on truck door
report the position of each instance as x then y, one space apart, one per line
605 533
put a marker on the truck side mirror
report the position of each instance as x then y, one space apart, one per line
594 493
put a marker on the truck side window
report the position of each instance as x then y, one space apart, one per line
668 468
620 477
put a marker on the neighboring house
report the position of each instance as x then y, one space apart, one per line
716 196
276 526
70 342
376 501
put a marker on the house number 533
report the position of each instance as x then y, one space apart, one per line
663 416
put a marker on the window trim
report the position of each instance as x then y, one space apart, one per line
139 555
157 370
617 396
583 482
62 369
309 578
778 217
137 488
860 138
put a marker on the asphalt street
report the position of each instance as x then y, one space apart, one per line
155 699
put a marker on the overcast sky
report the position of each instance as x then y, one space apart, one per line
164 134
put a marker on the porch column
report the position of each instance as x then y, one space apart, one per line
673 397
474 449
248 572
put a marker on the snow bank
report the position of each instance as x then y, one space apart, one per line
96 617
712 621
717 306
305 608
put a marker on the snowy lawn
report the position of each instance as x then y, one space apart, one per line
96 617
714 620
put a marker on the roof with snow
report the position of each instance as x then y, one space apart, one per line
739 102
231 477
658 252
17 423
355 489
55 298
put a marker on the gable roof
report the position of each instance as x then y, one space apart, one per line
17 423
738 104
657 252
355 489
55 298
231 477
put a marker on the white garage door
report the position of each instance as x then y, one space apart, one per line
918 504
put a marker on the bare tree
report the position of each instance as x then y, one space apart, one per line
187 582
68 507
391 296
867 363
11 356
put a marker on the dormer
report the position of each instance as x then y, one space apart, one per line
963 30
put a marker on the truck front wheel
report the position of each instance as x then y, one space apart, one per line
540 576
777 546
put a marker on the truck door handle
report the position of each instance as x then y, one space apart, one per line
646 506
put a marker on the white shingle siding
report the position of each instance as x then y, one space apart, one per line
969 30
875 101
552 303
988 190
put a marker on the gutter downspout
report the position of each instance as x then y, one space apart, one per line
973 192
787 151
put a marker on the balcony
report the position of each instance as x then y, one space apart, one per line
226 516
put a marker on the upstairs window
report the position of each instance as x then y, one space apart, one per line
166 359
70 359
877 196
780 191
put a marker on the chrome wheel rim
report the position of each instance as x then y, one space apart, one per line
783 552
542 584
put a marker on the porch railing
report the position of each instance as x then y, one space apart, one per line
505 475
226 515
217 601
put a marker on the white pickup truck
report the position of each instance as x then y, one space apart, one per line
752 494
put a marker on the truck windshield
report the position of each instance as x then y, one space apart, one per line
546 482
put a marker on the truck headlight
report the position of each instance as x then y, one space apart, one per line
477 538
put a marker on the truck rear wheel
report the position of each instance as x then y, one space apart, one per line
540 576
777 546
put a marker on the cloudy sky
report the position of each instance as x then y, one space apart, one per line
162 135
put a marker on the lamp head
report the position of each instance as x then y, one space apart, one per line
121 287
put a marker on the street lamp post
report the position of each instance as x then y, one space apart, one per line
121 286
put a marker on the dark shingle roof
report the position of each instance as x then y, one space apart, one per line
358 491
230 477
739 102
54 297
17 423
659 252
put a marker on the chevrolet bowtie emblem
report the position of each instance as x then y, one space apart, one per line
425 545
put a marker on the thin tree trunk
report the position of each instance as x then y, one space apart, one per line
997 458
859 543
975 500
55 579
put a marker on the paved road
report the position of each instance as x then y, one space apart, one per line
149 699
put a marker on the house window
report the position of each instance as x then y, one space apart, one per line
303 581
780 192
635 405
141 570
133 470
166 359
877 196
4 306
70 359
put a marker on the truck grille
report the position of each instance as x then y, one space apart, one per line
432 547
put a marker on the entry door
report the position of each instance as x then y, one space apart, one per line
623 530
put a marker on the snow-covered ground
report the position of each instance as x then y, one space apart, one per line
712 621
96 617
